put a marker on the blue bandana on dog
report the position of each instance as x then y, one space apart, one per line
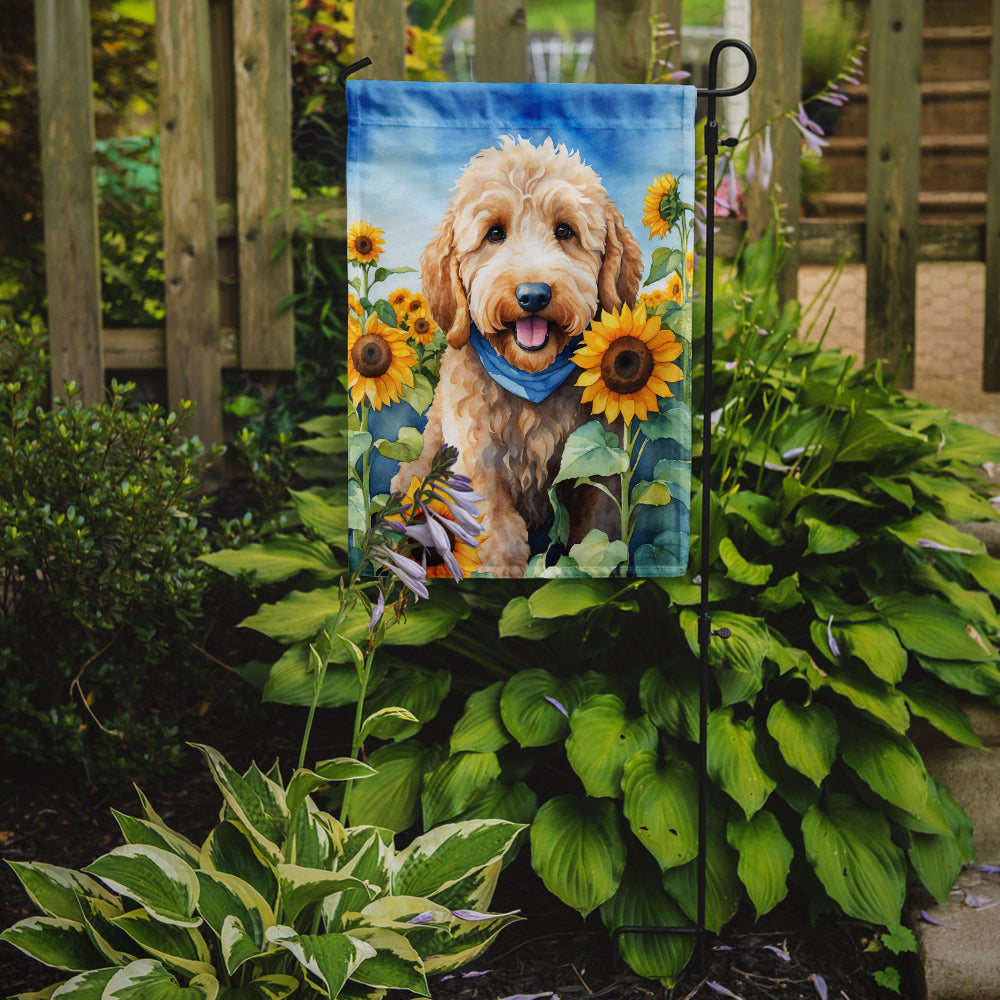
532 386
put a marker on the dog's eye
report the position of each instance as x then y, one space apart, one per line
563 231
496 234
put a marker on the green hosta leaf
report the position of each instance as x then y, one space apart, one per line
275 987
391 798
517 620
440 858
516 803
530 706
876 646
395 964
807 736
328 520
958 502
304 782
941 709
723 889
230 849
888 763
937 859
147 979
738 569
418 690
54 941
931 628
602 738
279 558
870 436
301 887
260 809
591 450
56 891
141 831
928 528
225 897
783 595
765 858
180 948
865 692
738 661
986 572
976 678
965 443
578 851
560 598
661 799
732 760
641 901
827 539
850 848
671 700
481 728
163 884
456 784
760 512
330 959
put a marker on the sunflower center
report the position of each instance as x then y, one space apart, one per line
626 365
371 355
414 305
421 327
363 245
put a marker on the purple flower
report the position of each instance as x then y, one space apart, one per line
811 132
831 642
780 952
409 572
558 705
927 543
377 612
761 162
719 988
475 915
820 983
427 917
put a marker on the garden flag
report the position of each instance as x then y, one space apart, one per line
520 262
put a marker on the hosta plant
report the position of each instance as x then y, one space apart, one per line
279 900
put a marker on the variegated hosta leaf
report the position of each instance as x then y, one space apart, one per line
141 831
602 737
441 857
642 902
147 979
367 853
315 838
732 760
578 851
661 800
56 891
328 959
304 782
765 858
475 891
395 964
224 898
54 941
468 939
230 849
158 880
850 847
177 947
807 736
87 986
275 987
481 727
256 801
301 887
116 946
456 784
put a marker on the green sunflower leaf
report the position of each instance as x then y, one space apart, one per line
591 450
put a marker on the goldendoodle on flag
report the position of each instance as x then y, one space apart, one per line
520 259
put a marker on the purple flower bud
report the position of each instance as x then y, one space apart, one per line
558 705
834 648
927 543
820 983
427 917
409 572
377 612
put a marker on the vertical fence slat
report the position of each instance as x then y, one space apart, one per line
991 332
776 35
190 253
72 257
261 41
668 12
501 41
380 34
622 40
893 183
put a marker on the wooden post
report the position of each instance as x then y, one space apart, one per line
501 41
991 333
893 183
776 35
261 57
190 254
72 255
380 34
667 14
623 38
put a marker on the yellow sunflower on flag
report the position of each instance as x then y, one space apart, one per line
662 205
378 362
364 242
627 361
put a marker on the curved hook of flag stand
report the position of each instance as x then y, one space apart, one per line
705 631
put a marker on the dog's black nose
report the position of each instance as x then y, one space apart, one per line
533 296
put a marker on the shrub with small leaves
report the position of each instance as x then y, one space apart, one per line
99 574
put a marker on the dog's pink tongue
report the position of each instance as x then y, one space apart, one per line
531 331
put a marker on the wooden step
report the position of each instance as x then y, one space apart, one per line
957 206
956 53
938 13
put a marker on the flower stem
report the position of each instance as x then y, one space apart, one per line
356 738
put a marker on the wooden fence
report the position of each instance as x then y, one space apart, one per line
226 161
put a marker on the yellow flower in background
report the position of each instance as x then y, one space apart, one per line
399 300
628 361
662 206
689 268
364 242
378 362
675 289
354 304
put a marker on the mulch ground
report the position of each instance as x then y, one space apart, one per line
551 953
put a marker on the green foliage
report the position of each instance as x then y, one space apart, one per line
280 899
101 587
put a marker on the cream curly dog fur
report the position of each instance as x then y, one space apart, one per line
530 249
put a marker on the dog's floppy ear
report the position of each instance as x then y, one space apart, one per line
621 268
442 285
